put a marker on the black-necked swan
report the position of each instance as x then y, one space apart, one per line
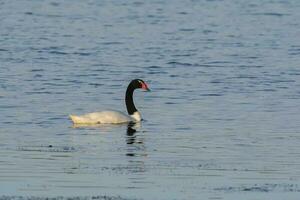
112 116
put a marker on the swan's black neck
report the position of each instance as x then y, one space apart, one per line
129 99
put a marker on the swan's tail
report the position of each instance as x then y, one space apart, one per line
75 119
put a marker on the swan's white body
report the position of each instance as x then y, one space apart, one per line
112 116
106 117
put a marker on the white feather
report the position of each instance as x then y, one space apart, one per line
105 117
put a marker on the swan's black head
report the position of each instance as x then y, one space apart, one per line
139 83
134 84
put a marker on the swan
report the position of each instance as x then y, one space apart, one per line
113 116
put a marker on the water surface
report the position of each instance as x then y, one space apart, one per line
221 122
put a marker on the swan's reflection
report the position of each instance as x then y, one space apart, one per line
135 145
136 151
135 142
131 130
102 126
133 151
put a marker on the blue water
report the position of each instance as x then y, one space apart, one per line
221 122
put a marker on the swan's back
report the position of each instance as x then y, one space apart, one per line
104 117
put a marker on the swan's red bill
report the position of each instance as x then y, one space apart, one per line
145 87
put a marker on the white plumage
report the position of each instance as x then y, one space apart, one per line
112 116
105 117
